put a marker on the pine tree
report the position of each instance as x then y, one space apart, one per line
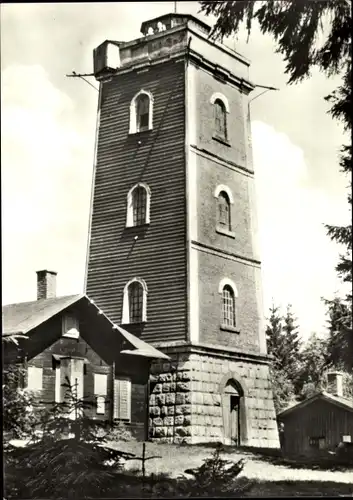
340 344
313 366
274 338
281 381
292 344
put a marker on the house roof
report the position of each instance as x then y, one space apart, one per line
342 402
23 317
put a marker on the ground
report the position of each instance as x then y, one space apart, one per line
271 476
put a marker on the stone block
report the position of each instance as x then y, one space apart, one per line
182 440
152 399
169 398
157 388
167 377
185 365
184 376
165 440
168 421
196 398
166 387
183 410
155 411
216 399
170 410
180 420
207 399
187 420
160 399
180 398
196 385
183 386
164 411
170 431
183 431
157 421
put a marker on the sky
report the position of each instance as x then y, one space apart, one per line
47 148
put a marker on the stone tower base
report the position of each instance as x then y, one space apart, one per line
190 397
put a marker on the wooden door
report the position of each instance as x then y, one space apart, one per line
234 420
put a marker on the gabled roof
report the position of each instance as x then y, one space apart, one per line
23 317
342 402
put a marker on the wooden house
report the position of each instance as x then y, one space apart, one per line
71 337
320 423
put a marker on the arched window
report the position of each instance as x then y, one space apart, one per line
141 111
220 119
228 306
135 301
138 205
221 108
223 211
228 291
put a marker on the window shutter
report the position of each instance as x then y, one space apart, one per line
100 384
100 405
35 378
122 399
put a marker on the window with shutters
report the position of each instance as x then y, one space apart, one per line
34 378
135 302
122 399
220 110
138 205
228 293
141 112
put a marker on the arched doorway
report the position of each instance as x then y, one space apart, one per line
234 411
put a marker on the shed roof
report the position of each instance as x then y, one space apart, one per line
339 401
23 317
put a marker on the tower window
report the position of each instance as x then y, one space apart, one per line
141 111
138 205
220 108
228 294
135 301
228 306
224 202
224 211
220 119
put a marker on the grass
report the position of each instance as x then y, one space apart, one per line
269 478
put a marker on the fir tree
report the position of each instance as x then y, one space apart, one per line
292 344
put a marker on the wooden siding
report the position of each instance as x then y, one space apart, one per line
159 254
101 349
319 419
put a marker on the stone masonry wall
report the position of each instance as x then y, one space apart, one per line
186 403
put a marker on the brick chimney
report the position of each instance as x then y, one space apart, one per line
335 383
46 284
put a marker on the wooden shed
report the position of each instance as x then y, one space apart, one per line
317 425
